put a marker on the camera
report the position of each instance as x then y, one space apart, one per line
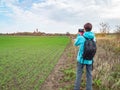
80 30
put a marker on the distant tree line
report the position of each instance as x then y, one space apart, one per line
104 30
36 33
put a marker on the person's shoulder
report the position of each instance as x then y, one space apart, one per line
92 33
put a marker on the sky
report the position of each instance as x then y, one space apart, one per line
57 16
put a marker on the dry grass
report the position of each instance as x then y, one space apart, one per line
107 64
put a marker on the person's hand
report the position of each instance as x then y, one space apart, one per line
79 33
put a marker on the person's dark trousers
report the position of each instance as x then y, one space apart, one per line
79 76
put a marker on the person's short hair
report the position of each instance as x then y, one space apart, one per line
88 26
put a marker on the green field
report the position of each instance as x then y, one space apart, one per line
26 61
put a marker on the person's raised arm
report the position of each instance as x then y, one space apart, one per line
77 40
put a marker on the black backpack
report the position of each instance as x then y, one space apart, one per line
89 49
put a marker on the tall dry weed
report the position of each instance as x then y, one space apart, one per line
107 63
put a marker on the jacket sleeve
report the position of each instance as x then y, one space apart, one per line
77 40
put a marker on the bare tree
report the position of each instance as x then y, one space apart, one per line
104 29
117 31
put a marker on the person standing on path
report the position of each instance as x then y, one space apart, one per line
79 41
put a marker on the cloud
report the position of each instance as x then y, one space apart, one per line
103 2
111 11
63 11
59 15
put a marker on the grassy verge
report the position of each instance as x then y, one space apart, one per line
106 73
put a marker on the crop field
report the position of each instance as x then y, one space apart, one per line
26 61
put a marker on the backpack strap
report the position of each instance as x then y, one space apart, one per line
85 37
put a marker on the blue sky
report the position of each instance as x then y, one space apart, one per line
57 16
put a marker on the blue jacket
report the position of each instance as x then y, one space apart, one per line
79 41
